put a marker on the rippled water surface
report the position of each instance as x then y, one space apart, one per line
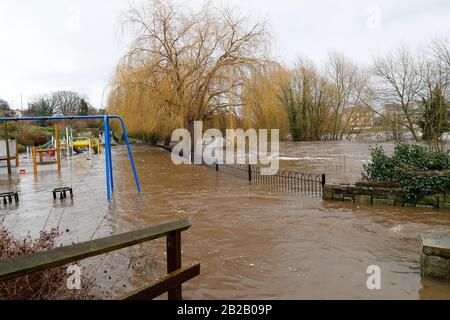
251 242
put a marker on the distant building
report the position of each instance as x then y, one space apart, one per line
395 110
392 109
359 118
394 119
11 113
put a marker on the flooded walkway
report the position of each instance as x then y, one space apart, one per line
251 242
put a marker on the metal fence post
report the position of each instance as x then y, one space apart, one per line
111 174
8 160
130 154
107 162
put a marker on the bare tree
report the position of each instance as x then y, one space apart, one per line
349 87
440 61
67 102
440 48
62 103
42 106
200 57
401 82
4 105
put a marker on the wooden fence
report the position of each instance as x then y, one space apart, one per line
171 283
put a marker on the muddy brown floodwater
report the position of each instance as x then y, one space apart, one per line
251 242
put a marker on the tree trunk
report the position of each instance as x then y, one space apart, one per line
189 125
411 128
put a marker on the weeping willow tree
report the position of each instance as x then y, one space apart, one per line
185 66
263 105
142 106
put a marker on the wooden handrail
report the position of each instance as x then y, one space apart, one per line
165 284
35 262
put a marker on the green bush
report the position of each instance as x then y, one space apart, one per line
404 168
33 136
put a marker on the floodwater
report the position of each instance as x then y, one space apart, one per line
252 243
342 162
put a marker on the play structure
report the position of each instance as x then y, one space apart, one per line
55 148
9 196
9 150
10 153
79 144
48 151
54 152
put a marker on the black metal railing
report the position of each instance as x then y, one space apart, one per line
304 183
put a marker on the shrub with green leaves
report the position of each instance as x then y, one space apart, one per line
407 167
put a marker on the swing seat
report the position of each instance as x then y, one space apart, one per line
62 193
9 196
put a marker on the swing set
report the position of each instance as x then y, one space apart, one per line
108 156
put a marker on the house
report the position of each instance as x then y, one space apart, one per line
359 118
11 113
395 110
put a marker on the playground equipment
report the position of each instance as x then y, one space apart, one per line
108 154
12 150
68 144
49 152
9 196
80 143
5 154
62 192
9 150
96 145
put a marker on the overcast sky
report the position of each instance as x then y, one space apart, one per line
50 45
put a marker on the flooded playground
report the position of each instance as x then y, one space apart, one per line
252 242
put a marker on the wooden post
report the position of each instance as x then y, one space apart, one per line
174 261
8 160
40 155
33 152
17 155
58 154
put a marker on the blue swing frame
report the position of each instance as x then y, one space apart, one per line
108 155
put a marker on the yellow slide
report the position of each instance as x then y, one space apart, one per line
80 144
